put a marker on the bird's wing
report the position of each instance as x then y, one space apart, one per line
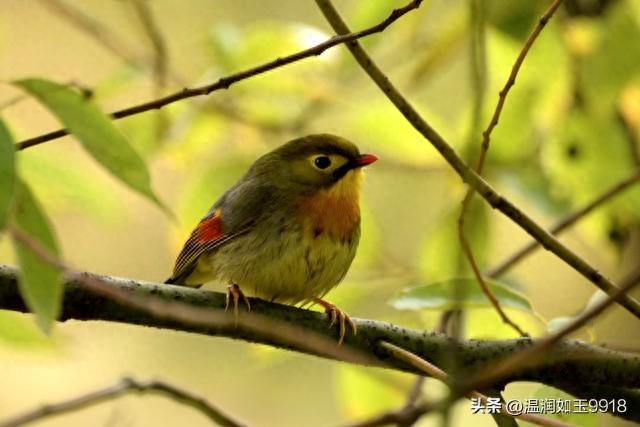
207 236
242 206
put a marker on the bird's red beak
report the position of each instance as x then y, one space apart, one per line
365 159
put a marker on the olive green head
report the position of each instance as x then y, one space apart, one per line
312 162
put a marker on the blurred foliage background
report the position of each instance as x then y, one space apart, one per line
568 132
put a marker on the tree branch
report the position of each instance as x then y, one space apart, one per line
226 82
439 374
486 135
565 223
97 31
484 148
124 386
468 175
152 30
530 356
565 363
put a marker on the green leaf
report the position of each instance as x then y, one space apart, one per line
95 131
18 331
40 282
7 172
464 293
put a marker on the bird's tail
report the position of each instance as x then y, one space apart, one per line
181 280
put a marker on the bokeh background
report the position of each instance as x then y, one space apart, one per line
568 132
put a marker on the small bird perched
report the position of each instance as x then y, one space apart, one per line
287 231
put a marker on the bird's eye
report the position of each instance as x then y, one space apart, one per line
322 162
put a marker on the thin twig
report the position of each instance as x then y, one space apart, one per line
160 60
466 247
496 200
631 135
531 356
565 223
96 30
124 386
110 40
12 101
486 135
160 57
437 373
405 416
484 148
415 391
226 82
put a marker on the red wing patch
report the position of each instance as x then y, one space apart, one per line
206 236
210 228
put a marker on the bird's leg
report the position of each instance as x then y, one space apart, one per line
337 316
233 291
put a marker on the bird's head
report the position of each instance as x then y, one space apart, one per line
316 162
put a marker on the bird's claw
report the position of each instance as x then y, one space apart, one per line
337 316
234 292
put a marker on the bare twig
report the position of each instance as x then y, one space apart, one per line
466 247
437 373
478 78
160 57
415 391
478 60
124 386
484 148
160 64
497 201
12 101
531 356
226 82
542 22
565 223
406 416
631 135
403 417
96 30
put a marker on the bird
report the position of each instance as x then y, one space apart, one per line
286 231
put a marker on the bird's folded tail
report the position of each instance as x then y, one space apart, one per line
181 279
173 281
205 237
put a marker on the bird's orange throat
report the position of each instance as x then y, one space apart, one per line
336 210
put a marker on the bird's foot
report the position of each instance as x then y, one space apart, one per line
337 316
234 292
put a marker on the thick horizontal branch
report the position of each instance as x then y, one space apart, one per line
226 82
568 364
